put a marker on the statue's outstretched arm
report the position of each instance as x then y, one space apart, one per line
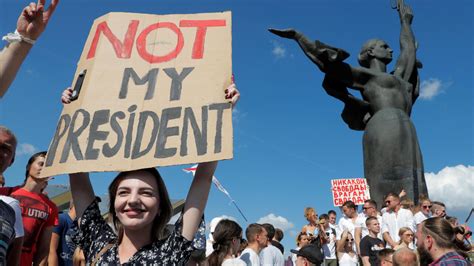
309 47
406 62
339 76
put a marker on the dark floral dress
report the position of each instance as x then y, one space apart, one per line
95 234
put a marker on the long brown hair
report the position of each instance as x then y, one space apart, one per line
225 232
165 208
32 160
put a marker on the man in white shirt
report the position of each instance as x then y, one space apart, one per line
395 218
257 239
370 210
271 255
348 221
332 219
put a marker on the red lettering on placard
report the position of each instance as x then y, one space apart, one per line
151 58
122 49
199 40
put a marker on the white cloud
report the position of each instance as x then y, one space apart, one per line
431 87
237 115
276 221
278 50
453 185
26 149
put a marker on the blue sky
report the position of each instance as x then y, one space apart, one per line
289 139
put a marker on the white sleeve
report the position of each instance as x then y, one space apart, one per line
339 229
419 218
410 221
384 223
360 221
266 257
19 232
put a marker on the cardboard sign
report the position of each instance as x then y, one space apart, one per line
152 94
354 189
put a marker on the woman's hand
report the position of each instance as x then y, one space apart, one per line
66 96
232 94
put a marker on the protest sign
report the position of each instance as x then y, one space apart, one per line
354 189
150 93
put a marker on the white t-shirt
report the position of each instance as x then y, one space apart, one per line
234 262
250 257
271 255
420 217
329 249
15 204
361 223
392 222
346 224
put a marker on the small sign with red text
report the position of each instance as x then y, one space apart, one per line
354 189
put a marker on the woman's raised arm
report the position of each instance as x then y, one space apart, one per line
199 191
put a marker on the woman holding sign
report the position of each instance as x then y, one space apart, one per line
140 209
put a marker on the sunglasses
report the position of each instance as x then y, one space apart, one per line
426 206
349 240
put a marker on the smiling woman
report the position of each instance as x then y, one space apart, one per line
140 209
140 200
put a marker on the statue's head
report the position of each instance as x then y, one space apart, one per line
375 48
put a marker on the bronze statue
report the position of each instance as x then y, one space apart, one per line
392 157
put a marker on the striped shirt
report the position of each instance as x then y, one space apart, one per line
450 259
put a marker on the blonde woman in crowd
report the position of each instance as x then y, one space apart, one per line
311 229
406 238
422 212
345 252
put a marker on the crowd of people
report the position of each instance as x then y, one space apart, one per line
392 234
33 233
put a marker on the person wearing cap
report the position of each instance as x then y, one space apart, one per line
308 255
